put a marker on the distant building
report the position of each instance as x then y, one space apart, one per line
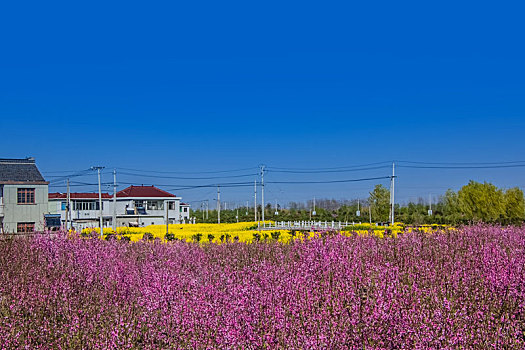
84 208
146 205
136 206
23 196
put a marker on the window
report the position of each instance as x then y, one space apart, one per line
154 205
139 204
24 227
171 205
87 205
185 209
63 205
26 196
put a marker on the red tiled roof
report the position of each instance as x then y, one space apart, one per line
144 192
77 195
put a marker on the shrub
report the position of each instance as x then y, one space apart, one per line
210 237
275 235
110 237
148 236
89 234
169 237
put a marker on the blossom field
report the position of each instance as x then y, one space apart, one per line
447 289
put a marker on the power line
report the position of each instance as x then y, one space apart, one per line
208 186
76 183
189 172
80 173
460 163
188 178
60 172
327 171
331 181
462 166
332 168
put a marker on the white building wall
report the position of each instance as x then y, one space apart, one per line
90 218
15 213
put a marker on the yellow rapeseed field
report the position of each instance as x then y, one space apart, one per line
242 231
245 232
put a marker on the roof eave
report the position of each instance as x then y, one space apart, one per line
24 183
148 197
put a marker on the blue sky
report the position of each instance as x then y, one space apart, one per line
205 86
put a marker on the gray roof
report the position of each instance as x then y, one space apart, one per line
19 170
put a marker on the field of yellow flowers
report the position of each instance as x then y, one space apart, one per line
243 232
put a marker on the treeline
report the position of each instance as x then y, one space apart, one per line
474 202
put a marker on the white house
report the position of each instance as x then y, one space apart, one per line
134 206
84 209
23 196
146 205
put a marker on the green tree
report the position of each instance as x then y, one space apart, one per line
514 206
481 202
451 211
380 201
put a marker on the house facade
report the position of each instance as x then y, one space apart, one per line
23 196
84 209
146 205
135 206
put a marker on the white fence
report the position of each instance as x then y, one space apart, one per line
307 225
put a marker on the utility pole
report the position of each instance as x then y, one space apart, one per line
246 208
262 193
392 194
207 207
68 199
255 201
218 204
430 204
167 204
98 168
114 200
237 215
